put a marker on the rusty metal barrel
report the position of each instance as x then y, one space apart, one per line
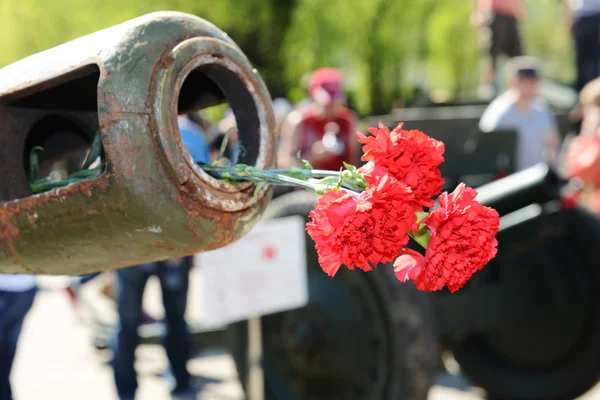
152 202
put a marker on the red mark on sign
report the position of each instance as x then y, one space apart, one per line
269 253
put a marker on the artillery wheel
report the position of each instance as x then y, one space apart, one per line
555 355
362 335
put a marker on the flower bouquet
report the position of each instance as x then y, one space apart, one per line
366 216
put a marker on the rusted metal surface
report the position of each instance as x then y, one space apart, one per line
152 202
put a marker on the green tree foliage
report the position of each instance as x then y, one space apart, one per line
385 47
546 36
454 48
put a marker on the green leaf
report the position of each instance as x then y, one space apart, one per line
34 163
321 189
258 188
339 183
421 215
361 182
330 180
297 172
347 175
349 167
229 178
224 143
305 163
241 169
421 236
94 152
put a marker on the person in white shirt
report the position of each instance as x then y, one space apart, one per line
521 109
16 298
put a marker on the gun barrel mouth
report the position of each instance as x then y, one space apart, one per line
200 73
139 196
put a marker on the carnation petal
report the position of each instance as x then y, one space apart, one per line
409 265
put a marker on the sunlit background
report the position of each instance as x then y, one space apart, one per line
389 50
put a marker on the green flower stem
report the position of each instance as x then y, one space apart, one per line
312 173
316 173
306 173
279 178
253 174
313 180
321 173
290 177
350 186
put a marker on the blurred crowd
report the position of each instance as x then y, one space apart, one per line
321 129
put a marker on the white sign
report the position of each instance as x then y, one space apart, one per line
262 273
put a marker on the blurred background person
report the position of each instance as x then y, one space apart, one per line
589 98
174 282
193 136
17 293
130 284
583 153
498 21
583 21
521 109
324 132
201 123
73 291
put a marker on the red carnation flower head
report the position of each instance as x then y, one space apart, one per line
410 156
462 242
365 230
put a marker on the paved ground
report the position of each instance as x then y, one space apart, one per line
57 361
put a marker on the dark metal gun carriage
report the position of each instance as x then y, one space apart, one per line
526 327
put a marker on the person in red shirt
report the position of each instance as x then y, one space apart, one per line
582 159
499 22
324 132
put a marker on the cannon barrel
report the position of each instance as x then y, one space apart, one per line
538 184
152 202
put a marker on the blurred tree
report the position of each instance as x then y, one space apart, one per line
368 40
546 36
258 26
454 50
386 48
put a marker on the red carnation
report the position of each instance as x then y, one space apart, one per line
462 242
363 230
412 157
